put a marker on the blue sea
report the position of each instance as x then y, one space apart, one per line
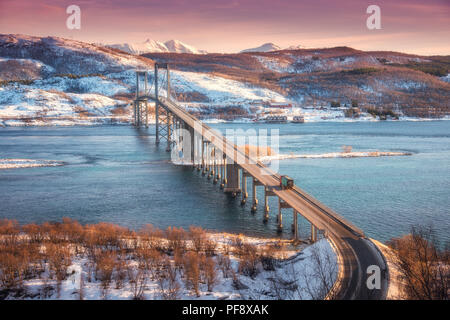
117 174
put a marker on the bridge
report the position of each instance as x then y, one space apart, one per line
222 161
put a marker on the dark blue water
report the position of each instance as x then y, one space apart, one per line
117 174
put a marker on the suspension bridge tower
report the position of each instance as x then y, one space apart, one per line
160 82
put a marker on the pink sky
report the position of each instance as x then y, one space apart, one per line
411 26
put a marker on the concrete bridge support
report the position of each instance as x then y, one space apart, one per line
313 233
254 195
203 157
266 205
208 158
193 144
214 171
295 224
222 185
281 205
224 172
219 169
199 147
279 216
169 132
244 187
233 185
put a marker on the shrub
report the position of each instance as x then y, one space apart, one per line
210 247
121 272
224 263
106 262
167 281
59 259
267 258
12 266
209 270
198 238
34 232
150 259
137 279
176 239
192 271
9 231
152 236
423 267
248 264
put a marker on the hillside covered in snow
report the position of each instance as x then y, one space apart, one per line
58 81
336 78
50 80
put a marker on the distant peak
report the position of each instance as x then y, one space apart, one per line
266 47
150 45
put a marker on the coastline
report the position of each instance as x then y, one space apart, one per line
101 121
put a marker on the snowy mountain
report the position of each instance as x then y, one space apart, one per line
150 45
180 47
54 55
50 80
267 47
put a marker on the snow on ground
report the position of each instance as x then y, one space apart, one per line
27 163
275 64
360 154
220 90
394 288
62 100
27 105
93 84
295 277
27 62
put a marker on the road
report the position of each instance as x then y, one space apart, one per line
355 252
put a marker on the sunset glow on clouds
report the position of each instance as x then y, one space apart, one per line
412 26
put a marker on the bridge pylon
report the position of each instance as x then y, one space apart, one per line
164 119
140 105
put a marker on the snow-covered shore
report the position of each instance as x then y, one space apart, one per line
27 163
359 154
293 276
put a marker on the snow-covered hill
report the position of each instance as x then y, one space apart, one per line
148 45
180 47
267 47
53 80
58 81
175 46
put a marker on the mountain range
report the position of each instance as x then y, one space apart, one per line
149 45
176 46
42 77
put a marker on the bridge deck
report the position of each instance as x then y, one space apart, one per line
348 240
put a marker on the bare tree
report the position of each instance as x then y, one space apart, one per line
167 281
137 280
424 268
